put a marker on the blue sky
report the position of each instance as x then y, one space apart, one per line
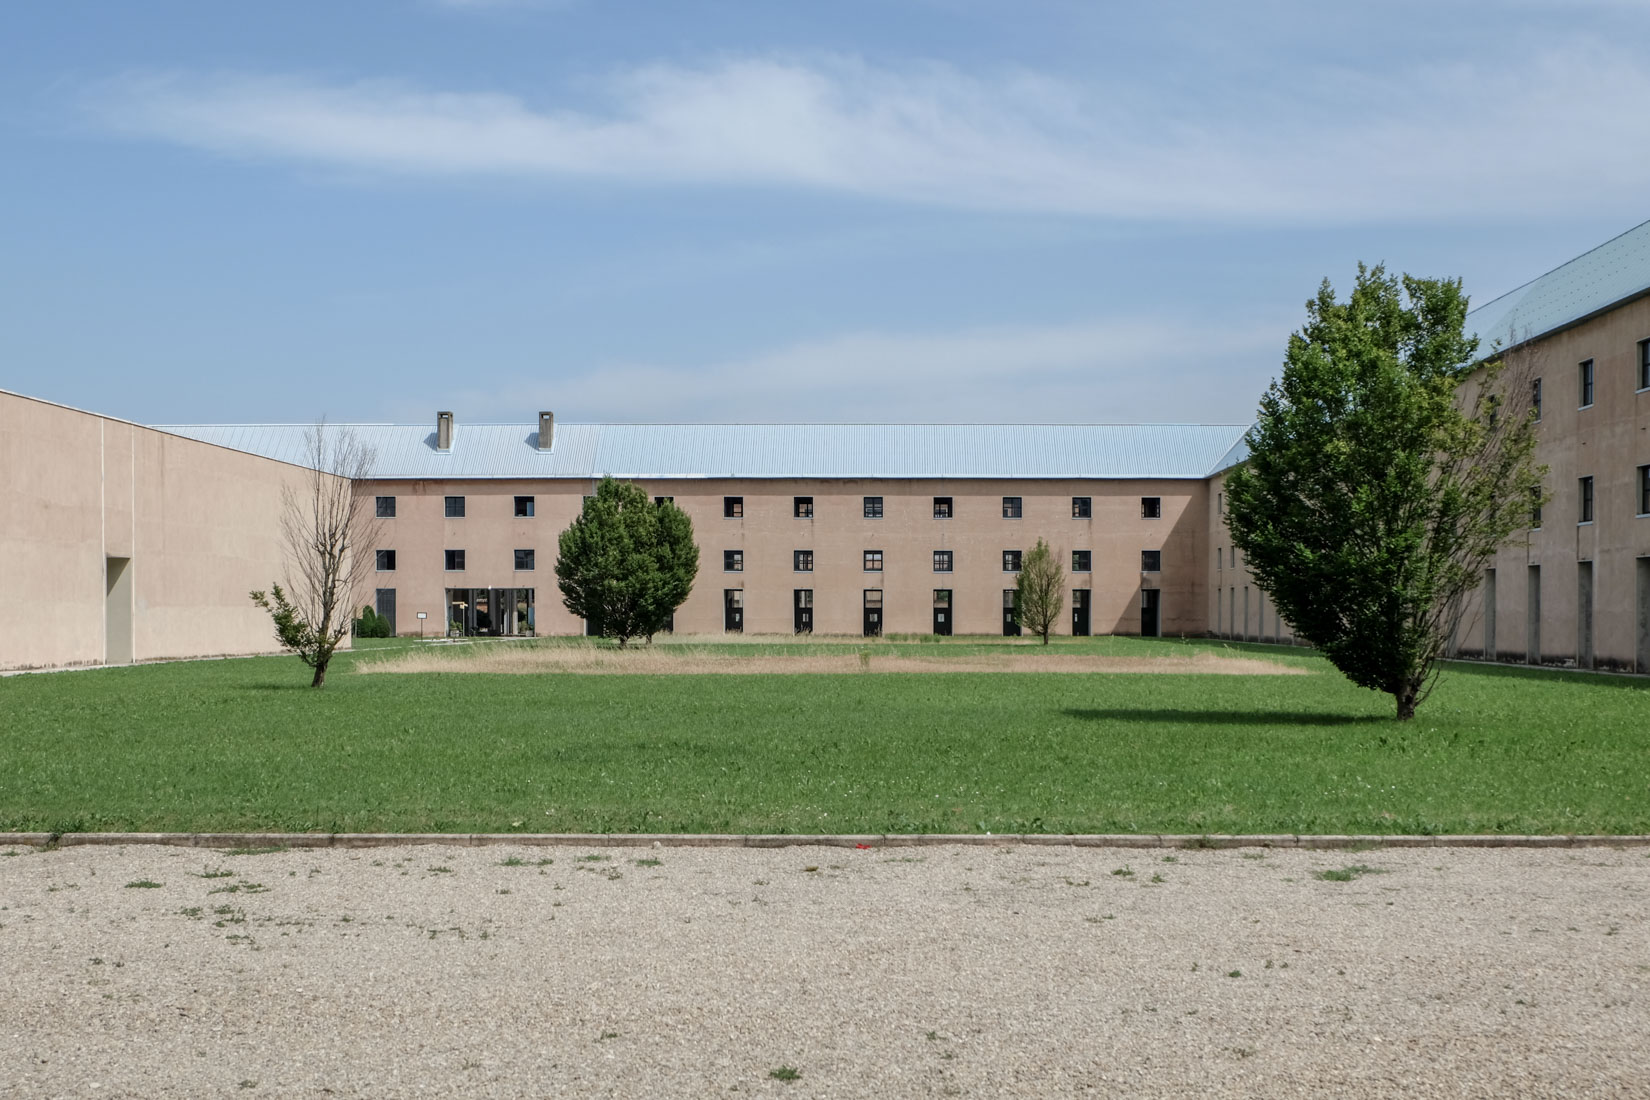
929 210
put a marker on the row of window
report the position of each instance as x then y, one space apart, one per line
1584 379
453 561
1082 561
944 507
453 507
1584 503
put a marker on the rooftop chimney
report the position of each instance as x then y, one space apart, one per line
547 430
443 431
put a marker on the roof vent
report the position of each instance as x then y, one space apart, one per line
547 430
443 431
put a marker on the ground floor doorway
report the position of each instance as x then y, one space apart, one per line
492 612
942 611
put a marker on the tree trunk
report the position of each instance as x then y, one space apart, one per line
320 674
1406 704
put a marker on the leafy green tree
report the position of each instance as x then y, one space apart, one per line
626 564
1386 468
1039 591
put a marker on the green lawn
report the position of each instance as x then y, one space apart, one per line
246 745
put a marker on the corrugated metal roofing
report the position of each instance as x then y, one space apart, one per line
406 451
1616 269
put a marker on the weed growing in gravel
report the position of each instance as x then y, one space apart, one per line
1347 874
785 1073
1074 882
594 858
1124 871
240 888
606 1035
1171 859
512 861
1158 880
193 912
215 872
1234 973
143 884
650 862
441 870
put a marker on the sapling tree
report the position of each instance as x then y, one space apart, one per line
328 533
1040 590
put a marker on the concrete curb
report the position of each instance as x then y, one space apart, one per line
832 840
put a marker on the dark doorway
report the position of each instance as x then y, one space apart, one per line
1011 613
804 613
385 600
1080 612
499 612
873 612
1148 612
942 611
733 610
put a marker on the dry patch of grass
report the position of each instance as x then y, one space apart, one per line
687 661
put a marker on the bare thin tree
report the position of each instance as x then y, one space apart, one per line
328 534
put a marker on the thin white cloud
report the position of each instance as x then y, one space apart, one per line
1115 371
1563 127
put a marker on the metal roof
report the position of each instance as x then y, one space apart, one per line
1615 270
1096 451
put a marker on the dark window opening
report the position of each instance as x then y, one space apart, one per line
1011 507
873 507
1151 507
802 561
1644 490
733 561
1535 397
524 560
733 507
386 561
1586 500
942 561
1082 507
1082 561
385 508
454 560
942 507
1586 371
1151 561
455 507
873 561
1011 561
664 500
524 507
802 507
1644 365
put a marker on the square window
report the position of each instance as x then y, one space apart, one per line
1011 561
1644 490
1011 507
1082 507
1535 397
873 507
1586 371
455 507
1151 507
524 560
802 561
942 561
664 500
386 561
454 561
802 507
873 561
942 507
733 561
524 507
1082 561
1586 500
1644 365
385 508
1151 561
733 507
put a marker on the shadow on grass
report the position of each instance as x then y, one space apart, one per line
1175 716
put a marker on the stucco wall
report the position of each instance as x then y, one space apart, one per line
838 534
198 523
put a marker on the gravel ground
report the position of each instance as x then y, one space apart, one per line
953 971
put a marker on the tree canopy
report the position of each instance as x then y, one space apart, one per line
627 563
1386 468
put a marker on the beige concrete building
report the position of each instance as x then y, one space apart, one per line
119 543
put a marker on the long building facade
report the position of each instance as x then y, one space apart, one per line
120 542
